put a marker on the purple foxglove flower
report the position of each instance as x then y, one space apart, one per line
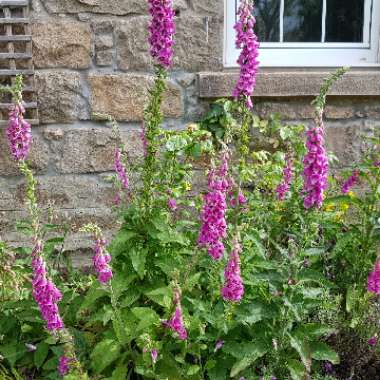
328 368
373 282
64 366
19 133
247 41
45 292
218 345
161 31
241 199
172 204
315 167
213 215
284 186
101 261
373 341
346 187
154 355
120 170
233 289
176 324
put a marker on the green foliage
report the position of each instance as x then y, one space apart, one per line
304 271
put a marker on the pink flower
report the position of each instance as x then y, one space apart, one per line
373 283
64 366
315 167
241 199
351 181
373 341
176 324
120 170
284 186
218 345
154 355
213 214
172 204
161 31
45 292
101 261
233 289
19 133
248 42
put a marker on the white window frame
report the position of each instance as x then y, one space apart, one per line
323 54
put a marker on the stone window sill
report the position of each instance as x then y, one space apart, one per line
291 83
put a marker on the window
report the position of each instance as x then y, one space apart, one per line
311 32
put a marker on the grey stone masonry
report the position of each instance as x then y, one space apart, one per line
92 57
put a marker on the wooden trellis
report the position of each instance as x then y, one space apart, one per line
16 55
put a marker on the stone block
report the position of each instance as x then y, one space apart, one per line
92 150
199 44
60 97
62 44
113 7
124 96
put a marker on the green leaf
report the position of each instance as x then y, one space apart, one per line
321 351
138 258
303 349
120 373
296 369
41 354
12 352
193 369
147 317
314 330
248 360
104 354
162 296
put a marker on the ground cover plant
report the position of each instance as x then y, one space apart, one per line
240 253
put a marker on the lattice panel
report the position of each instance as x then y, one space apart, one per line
16 55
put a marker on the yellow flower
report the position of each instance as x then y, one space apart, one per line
351 194
329 207
192 127
188 186
344 207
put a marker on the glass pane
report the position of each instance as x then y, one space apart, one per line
344 21
267 13
303 20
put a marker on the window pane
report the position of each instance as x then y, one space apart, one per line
267 13
344 21
303 20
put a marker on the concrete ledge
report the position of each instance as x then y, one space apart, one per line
291 83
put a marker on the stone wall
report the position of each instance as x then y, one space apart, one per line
91 56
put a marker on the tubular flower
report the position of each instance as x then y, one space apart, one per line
233 289
19 133
213 214
120 169
45 292
315 167
175 323
373 341
373 283
101 261
346 187
161 31
246 40
64 365
172 204
284 186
